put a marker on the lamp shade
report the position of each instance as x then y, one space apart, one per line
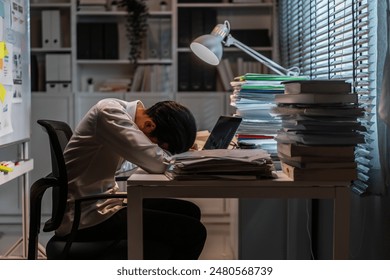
208 48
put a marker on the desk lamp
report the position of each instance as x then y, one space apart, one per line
209 48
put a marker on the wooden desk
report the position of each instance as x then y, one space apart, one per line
141 186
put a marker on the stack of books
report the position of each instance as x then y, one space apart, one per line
253 97
320 129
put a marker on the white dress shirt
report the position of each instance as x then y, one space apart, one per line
105 137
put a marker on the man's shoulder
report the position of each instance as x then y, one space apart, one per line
109 102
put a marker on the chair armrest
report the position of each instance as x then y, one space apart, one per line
37 191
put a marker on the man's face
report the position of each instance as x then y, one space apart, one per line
156 141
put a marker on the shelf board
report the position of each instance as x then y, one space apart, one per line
155 61
51 50
123 61
49 5
120 13
225 5
19 170
103 61
232 49
45 93
101 13
97 93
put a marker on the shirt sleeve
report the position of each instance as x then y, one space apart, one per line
117 129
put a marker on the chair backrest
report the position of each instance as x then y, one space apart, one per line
59 134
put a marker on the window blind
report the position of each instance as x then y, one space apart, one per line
330 40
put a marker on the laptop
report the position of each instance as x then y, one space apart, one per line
222 133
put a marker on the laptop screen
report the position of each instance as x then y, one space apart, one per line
222 133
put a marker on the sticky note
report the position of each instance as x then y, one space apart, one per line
3 92
3 50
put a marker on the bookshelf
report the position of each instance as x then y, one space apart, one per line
248 22
207 103
172 73
182 20
246 27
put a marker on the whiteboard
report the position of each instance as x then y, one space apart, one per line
15 89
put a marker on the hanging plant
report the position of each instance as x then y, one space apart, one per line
136 25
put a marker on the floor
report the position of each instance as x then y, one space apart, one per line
216 247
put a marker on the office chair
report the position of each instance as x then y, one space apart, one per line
64 247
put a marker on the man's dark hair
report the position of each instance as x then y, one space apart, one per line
175 125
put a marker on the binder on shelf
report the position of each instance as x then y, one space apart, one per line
41 73
209 72
167 78
52 68
137 78
228 69
226 74
223 77
97 40
146 79
111 38
184 71
96 37
196 73
209 20
165 34
58 68
64 64
153 76
34 73
240 65
58 73
46 29
196 24
83 41
51 29
55 29
184 28
153 43
209 77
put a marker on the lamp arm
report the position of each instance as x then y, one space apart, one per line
230 40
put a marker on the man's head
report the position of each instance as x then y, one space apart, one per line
174 126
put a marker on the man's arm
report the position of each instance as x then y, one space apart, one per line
117 129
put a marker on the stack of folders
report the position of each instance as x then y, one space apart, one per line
229 164
320 129
253 96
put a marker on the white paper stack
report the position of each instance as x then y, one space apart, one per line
231 164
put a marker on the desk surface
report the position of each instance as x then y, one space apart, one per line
280 180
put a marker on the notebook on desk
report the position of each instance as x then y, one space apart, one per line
222 133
